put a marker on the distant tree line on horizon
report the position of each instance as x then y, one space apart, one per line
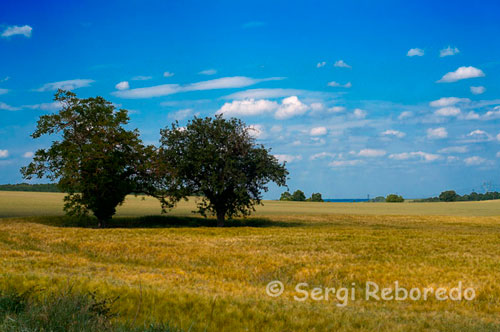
39 187
452 196
299 196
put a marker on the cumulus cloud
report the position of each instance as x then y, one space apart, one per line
256 131
288 158
359 113
345 163
461 73
419 155
474 161
371 153
448 101
437 133
341 64
477 90
264 93
4 153
66 85
28 154
448 111
405 115
336 109
472 116
415 52
454 149
208 72
168 74
122 86
492 114
181 114
168 89
320 64
7 107
318 131
395 133
290 107
249 107
13 30
448 51
322 155
338 85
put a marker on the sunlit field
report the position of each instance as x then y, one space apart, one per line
183 271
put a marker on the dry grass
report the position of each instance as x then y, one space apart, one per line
214 279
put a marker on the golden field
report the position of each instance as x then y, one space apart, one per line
205 278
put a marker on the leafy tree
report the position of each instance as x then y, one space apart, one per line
316 197
96 161
448 196
393 198
286 196
298 196
378 199
219 160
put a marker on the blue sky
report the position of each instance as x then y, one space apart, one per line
359 97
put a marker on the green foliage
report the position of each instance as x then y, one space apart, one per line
96 161
44 187
448 196
298 196
378 199
219 160
393 198
286 196
316 197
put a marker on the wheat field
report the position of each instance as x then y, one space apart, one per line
181 270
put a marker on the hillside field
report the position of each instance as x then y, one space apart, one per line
179 269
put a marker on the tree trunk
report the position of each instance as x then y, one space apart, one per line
221 215
101 223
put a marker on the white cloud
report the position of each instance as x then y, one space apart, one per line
359 113
454 149
396 133
256 131
168 89
208 72
338 85
448 111
53 106
318 131
320 64
477 132
317 106
249 107
498 154
437 133
13 30
66 85
474 161
493 114
4 153
371 153
341 64
472 116
290 107
322 155
3 91
122 86
141 78
448 51
168 74
344 163
498 137
181 114
336 109
6 107
415 52
28 154
264 93
477 90
461 73
288 158
448 101
405 115
428 157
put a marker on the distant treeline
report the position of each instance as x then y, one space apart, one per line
452 196
44 187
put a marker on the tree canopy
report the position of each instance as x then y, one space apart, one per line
218 160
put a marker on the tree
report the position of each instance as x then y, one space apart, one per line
96 161
448 196
298 195
286 196
393 198
219 160
316 197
